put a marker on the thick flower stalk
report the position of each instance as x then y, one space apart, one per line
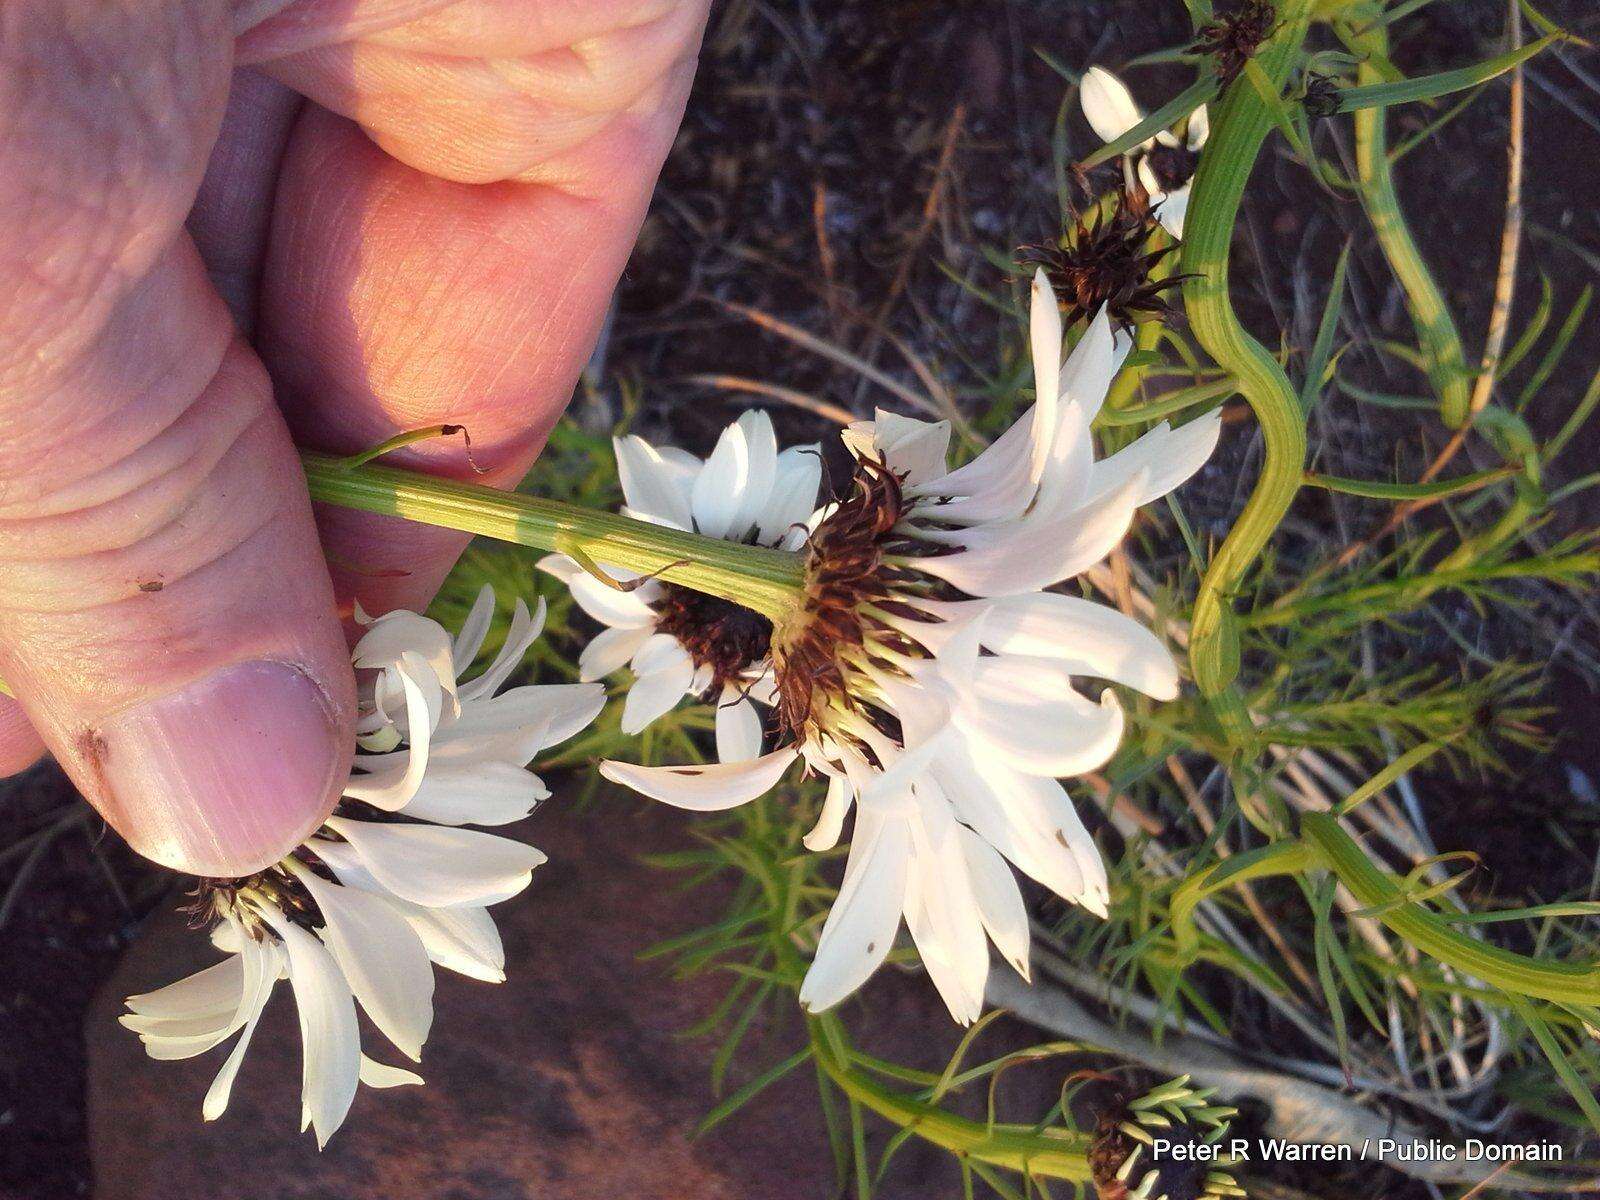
1164 164
678 641
930 674
391 884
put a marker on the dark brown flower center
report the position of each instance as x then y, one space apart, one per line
1173 166
1106 260
1179 1176
1235 35
717 633
846 569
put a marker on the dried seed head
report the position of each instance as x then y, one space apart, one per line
1106 260
1321 98
717 633
845 569
1122 1153
1234 36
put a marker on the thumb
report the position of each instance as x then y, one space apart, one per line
166 620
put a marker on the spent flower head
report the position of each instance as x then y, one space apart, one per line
1164 165
1105 262
1143 1148
679 642
1232 38
929 672
391 884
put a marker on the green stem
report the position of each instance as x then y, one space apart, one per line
1516 974
1035 1153
1239 127
1436 329
1280 858
769 581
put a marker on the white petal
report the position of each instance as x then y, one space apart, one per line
463 939
738 729
1172 209
942 913
703 787
475 793
1065 472
913 449
830 821
1108 104
999 901
860 928
720 487
1044 330
473 630
996 485
567 708
523 631
658 652
656 489
1148 181
216 988
382 1075
1026 818
609 651
625 610
650 696
390 789
382 959
1025 711
330 1039
1093 639
1199 131
439 867
1168 456
1025 556
263 962
400 632
762 444
794 493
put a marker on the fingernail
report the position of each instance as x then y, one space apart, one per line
224 776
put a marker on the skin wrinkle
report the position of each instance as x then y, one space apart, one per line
174 541
71 439
162 474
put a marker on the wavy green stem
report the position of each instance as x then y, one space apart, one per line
1239 127
1516 974
1036 1153
766 580
1436 329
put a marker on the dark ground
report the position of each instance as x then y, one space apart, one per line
835 155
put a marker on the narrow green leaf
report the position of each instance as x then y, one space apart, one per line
1373 489
1427 87
1570 1079
751 1090
1327 328
1408 761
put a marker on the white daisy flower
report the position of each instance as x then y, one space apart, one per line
680 642
362 910
1165 164
931 674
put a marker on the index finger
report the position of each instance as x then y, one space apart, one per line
394 299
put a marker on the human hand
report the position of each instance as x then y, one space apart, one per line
228 229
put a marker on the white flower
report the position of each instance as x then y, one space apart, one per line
934 685
1164 163
680 642
366 905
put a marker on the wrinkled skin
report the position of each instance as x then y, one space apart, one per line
230 228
